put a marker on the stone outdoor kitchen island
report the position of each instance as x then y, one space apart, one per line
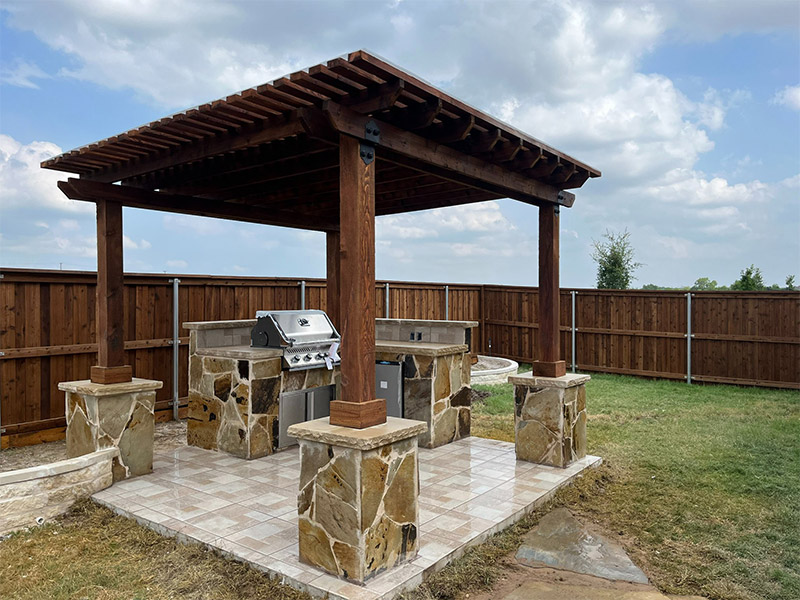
358 510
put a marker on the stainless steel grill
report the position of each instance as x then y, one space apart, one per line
305 336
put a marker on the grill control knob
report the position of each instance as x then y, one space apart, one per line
319 356
295 359
307 357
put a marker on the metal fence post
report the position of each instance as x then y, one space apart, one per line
302 295
386 294
689 338
574 358
447 303
176 347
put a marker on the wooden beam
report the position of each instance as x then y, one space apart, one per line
93 191
332 277
484 141
417 116
382 98
111 367
429 156
357 406
267 131
506 151
454 130
549 363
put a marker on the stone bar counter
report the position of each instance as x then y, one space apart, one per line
234 390
436 373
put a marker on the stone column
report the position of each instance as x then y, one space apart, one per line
550 418
116 415
357 505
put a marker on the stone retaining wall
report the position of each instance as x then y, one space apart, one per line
30 496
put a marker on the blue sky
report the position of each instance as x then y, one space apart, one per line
691 110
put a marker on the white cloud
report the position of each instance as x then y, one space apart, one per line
134 245
177 264
569 73
21 73
23 184
788 96
691 188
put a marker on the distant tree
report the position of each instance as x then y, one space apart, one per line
790 284
704 283
749 280
614 258
651 286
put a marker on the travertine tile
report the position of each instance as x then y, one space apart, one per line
468 490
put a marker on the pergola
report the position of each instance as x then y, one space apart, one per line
323 149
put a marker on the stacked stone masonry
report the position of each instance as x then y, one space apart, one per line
436 390
550 419
31 496
119 416
233 403
358 510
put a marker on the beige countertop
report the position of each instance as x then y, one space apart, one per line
427 323
241 352
421 348
219 324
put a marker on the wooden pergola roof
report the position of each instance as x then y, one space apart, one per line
271 154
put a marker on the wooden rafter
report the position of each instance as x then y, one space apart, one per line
93 191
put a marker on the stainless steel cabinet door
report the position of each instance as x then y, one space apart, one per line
292 410
389 386
319 402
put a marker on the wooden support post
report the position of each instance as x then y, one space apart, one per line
333 275
111 367
549 363
358 407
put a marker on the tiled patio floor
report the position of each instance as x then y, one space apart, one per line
469 490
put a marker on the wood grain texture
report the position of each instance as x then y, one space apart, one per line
748 338
357 277
332 279
110 295
549 363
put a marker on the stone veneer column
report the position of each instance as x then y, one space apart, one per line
550 418
357 505
116 415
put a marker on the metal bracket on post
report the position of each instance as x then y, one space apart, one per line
573 293
302 295
447 303
176 347
372 137
689 338
386 293
372 133
367 152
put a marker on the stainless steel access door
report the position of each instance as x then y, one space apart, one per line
389 386
292 409
318 402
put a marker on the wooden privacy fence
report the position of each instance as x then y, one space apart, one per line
47 331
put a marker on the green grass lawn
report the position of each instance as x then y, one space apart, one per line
702 483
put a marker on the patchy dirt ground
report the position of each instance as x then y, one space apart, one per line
168 436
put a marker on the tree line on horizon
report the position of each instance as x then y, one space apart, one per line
616 267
